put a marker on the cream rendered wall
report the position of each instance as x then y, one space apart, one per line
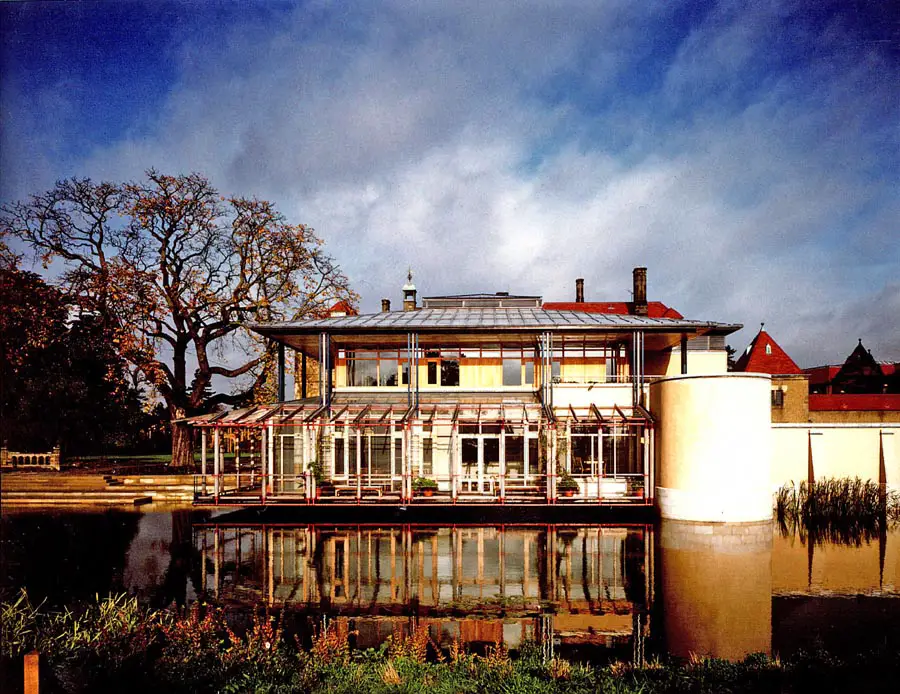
713 438
603 395
790 457
699 362
867 451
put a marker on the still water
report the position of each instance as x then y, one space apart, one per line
589 592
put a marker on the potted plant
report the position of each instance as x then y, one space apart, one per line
566 485
424 485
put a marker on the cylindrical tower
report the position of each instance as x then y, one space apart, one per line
713 447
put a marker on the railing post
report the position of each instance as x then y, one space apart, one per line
32 675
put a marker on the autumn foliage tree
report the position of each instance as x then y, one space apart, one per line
173 269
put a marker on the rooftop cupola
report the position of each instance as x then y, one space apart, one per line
409 293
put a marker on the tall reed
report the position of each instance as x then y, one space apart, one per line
844 510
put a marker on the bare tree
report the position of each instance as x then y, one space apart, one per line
173 269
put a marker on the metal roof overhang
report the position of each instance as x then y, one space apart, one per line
659 333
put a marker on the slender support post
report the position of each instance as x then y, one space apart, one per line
216 465
271 459
684 364
203 459
359 443
281 381
237 460
32 679
502 464
263 483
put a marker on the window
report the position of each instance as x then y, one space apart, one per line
427 457
387 371
768 349
612 370
362 370
449 372
512 371
432 373
778 398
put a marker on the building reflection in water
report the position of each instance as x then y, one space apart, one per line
575 587
716 588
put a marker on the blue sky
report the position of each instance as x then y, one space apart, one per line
748 153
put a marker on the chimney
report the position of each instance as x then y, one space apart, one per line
409 293
640 291
385 305
579 291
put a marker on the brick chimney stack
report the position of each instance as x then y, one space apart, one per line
385 305
640 291
579 291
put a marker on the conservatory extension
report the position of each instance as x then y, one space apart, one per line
485 398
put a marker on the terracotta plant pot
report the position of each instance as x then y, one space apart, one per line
427 492
568 492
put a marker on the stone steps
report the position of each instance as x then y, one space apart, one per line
83 489
51 498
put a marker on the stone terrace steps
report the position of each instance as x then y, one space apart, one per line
24 488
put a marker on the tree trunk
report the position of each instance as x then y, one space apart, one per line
182 445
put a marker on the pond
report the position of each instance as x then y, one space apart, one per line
592 592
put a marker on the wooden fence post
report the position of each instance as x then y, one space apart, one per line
32 673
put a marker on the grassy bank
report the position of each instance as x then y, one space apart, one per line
115 645
846 511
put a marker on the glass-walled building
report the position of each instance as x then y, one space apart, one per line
471 398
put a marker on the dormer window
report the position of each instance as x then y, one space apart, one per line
768 349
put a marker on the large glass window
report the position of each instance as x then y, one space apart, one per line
362 371
340 467
515 456
585 450
381 455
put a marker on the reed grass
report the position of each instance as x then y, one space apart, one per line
197 651
844 510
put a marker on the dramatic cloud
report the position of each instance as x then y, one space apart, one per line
747 153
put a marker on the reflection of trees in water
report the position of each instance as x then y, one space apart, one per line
184 560
66 558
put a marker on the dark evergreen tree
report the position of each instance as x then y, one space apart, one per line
61 380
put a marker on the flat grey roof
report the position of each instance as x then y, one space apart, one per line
488 319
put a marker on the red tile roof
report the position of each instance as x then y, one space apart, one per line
854 401
655 309
821 374
342 307
765 356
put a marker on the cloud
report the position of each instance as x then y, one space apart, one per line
746 154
